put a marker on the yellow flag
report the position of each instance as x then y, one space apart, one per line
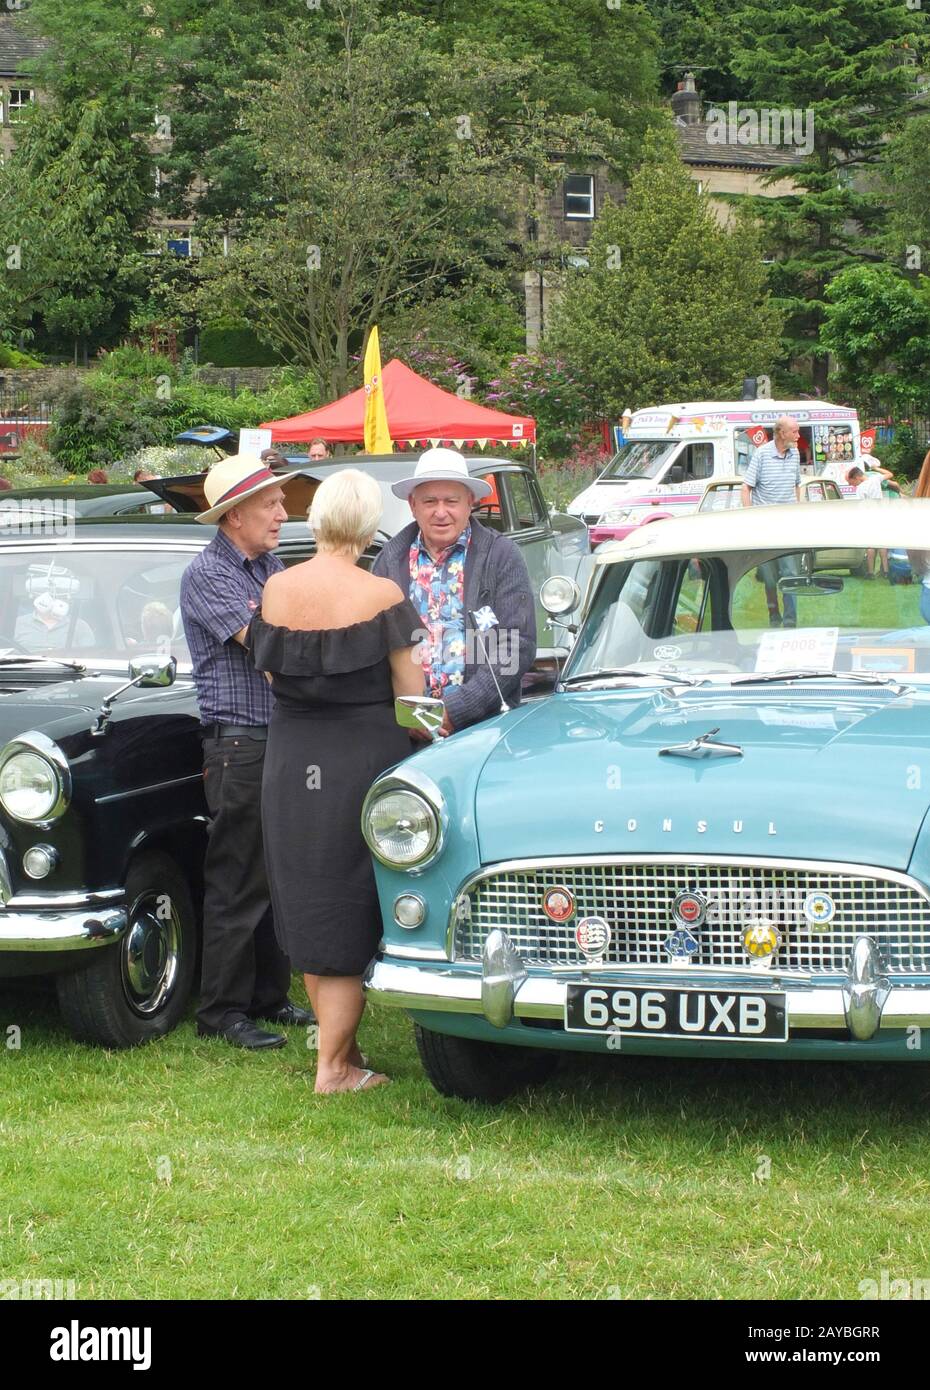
377 435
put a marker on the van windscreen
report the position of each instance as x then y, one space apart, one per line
640 458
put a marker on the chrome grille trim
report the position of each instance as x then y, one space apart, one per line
634 893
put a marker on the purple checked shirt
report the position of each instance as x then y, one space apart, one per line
220 592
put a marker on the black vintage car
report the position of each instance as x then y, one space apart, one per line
102 815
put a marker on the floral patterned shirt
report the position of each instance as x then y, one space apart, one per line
437 592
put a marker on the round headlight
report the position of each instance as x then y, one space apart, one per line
559 595
30 786
401 827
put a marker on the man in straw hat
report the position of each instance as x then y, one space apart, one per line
464 579
245 974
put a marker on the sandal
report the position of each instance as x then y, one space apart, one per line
364 1084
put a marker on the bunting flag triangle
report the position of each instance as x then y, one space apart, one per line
459 443
434 443
482 443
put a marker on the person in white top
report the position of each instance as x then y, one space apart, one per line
869 489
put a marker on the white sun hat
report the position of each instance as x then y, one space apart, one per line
442 466
231 481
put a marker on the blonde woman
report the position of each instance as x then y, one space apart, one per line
338 645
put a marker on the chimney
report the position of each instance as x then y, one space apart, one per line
686 103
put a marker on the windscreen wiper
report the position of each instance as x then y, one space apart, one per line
622 673
24 659
809 673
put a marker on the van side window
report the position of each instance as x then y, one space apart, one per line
698 461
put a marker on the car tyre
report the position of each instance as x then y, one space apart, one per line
484 1071
137 990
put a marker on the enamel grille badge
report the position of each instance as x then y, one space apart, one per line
690 911
593 937
819 909
558 904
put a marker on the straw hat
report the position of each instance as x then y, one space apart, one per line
442 466
231 481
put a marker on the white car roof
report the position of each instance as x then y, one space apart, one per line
903 523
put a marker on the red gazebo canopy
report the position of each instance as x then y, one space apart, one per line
418 413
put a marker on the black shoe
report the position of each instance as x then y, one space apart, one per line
243 1034
288 1016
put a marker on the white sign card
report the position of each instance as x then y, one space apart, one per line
253 442
787 649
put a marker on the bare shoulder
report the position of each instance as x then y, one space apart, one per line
389 591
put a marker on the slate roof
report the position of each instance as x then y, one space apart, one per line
16 46
696 149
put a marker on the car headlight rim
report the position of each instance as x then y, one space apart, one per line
37 755
426 798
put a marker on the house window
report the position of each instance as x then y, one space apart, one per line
579 195
20 98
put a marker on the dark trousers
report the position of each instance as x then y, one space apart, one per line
244 969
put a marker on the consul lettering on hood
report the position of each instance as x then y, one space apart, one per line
701 826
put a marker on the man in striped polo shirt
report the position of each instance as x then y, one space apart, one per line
773 475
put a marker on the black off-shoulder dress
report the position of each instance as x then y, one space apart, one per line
332 732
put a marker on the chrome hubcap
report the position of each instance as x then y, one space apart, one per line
151 952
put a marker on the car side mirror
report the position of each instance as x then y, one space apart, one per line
149 672
422 712
676 474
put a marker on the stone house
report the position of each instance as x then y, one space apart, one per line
725 152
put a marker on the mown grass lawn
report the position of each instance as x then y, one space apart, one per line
191 1170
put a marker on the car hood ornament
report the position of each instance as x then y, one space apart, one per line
705 746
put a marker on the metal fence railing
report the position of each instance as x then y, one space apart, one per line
19 407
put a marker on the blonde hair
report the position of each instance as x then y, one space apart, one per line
345 511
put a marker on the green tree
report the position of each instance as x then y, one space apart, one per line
693 34
589 55
877 323
394 172
845 67
905 181
673 306
74 206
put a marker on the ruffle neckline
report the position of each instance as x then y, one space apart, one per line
332 651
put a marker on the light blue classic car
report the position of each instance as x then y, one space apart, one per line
711 840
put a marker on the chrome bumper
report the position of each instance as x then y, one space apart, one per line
61 922
862 1003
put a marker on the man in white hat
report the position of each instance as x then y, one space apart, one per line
453 568
245 975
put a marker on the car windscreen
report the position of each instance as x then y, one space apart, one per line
87 604
762 612
641 458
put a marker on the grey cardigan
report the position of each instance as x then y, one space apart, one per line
495 576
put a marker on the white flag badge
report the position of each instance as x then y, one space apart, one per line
485 618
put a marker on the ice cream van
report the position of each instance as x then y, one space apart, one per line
669 454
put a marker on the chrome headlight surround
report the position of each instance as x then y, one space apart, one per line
38 745
424 790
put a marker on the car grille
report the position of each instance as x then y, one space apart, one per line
636 899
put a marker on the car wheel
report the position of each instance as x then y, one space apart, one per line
137 990
479 1070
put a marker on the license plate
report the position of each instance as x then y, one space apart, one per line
676 1013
